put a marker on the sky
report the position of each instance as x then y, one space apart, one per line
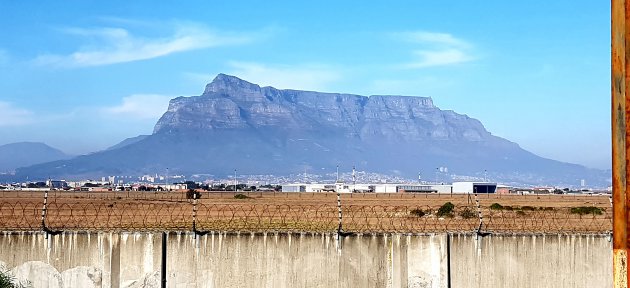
84 75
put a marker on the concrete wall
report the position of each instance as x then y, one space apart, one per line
531 261
83 260
306 260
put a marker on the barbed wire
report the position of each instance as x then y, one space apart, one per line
253 217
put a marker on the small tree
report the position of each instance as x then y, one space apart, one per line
446 210
496 206
467 213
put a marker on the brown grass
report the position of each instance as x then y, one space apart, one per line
269 211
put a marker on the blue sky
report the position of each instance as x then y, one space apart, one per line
83 75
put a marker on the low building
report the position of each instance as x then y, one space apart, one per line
416 189
474 187
503 189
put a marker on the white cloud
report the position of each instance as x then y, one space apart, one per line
425 37
428 58
119 45
438 49
140 106
13 116
302 77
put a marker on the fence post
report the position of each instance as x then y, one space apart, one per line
44 212
194 213
620 94
340 215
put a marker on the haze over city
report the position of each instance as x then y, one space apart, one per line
83 75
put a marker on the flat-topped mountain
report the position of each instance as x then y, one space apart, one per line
229 103
235 124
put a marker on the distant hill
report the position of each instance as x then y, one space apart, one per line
128 141
235 124
23 154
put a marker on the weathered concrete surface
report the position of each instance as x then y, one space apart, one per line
81 259
531 261
306 260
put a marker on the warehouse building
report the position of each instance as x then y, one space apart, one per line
474 187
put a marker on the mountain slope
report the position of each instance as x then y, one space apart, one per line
127 141
235 124
22 154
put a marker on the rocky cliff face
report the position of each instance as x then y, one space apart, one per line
231 103
235 124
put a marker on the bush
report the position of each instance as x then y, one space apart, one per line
528 208
8 281
446 210
520 213
417 212
192 194
496 206
583 210
508 208
467 213
241 196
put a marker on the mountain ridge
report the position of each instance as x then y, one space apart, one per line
235 124
20 154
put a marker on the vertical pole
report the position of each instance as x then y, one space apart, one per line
194 213
479 214
620 78
163 270
44 211
340 216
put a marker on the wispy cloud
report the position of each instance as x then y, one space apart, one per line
437 49
140 106
304 77
111 45
14 116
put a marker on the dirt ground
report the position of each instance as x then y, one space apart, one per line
303 212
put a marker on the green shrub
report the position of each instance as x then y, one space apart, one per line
241 196
467 213
508 208
528 208
446 210
583 210
496 206
8 281
417 212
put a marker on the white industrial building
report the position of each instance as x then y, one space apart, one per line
367 188
474 187
457 187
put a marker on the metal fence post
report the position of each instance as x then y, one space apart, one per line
194 214
44 211
620 110
340 215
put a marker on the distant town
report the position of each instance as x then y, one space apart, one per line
354 182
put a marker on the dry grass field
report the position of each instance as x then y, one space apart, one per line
305 212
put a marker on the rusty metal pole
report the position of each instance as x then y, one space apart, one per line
620 77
